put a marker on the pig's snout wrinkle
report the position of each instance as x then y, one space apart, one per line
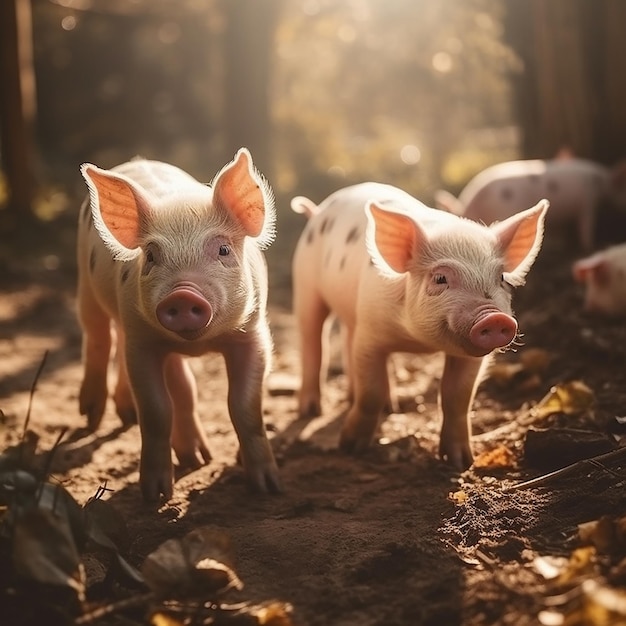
494 330
185 312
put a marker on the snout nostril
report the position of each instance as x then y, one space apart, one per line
184 311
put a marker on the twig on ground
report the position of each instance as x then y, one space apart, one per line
32 391
569 469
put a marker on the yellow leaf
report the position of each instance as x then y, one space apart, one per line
569 398
498 457
458 497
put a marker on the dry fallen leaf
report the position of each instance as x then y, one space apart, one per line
196 565
498 457
603 605
458 497
607 534
549 566
44 551
582 561
569 398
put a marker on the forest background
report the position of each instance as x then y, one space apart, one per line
419 93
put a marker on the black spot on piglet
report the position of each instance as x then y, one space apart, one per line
327 224
353 235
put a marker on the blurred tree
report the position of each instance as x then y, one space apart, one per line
248 54
17 109
570 92
390 91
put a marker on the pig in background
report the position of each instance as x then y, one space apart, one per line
576 189
178 266
603 275
402 277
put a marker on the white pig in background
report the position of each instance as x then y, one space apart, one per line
604 277
402 277
178 266
574 187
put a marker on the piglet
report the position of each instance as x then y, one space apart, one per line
402 277
178 266
575 188
604 277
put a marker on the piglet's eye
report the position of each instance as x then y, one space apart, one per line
440 279
224 250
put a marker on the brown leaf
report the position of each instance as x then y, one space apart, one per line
44 550
196 565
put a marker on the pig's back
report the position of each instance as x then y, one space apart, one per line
503 190
331 254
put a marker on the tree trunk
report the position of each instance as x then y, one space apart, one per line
248 55
569 93
17 108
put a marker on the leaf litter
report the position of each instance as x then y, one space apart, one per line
60 553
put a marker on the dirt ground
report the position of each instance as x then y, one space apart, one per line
390 538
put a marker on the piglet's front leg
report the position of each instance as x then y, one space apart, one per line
154 411
458 385
246 361
188 438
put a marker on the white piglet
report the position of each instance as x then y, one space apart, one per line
575 188
178 266
604 277
402 277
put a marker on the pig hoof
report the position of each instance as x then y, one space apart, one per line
92 405
94 415
350 445
265 481
193 459
460 460
128 415
154 490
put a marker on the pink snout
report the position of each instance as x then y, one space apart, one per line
494 330
185 312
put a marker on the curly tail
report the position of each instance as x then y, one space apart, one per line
303 205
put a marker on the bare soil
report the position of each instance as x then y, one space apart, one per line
393 537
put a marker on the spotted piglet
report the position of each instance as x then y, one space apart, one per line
576 188
604 277
178 266
402 277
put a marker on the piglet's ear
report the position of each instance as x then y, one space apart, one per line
594 266
244 193
118 208
519 239
392 236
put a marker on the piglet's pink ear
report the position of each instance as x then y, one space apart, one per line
519 239
117 205
393 235
594 266
241 190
